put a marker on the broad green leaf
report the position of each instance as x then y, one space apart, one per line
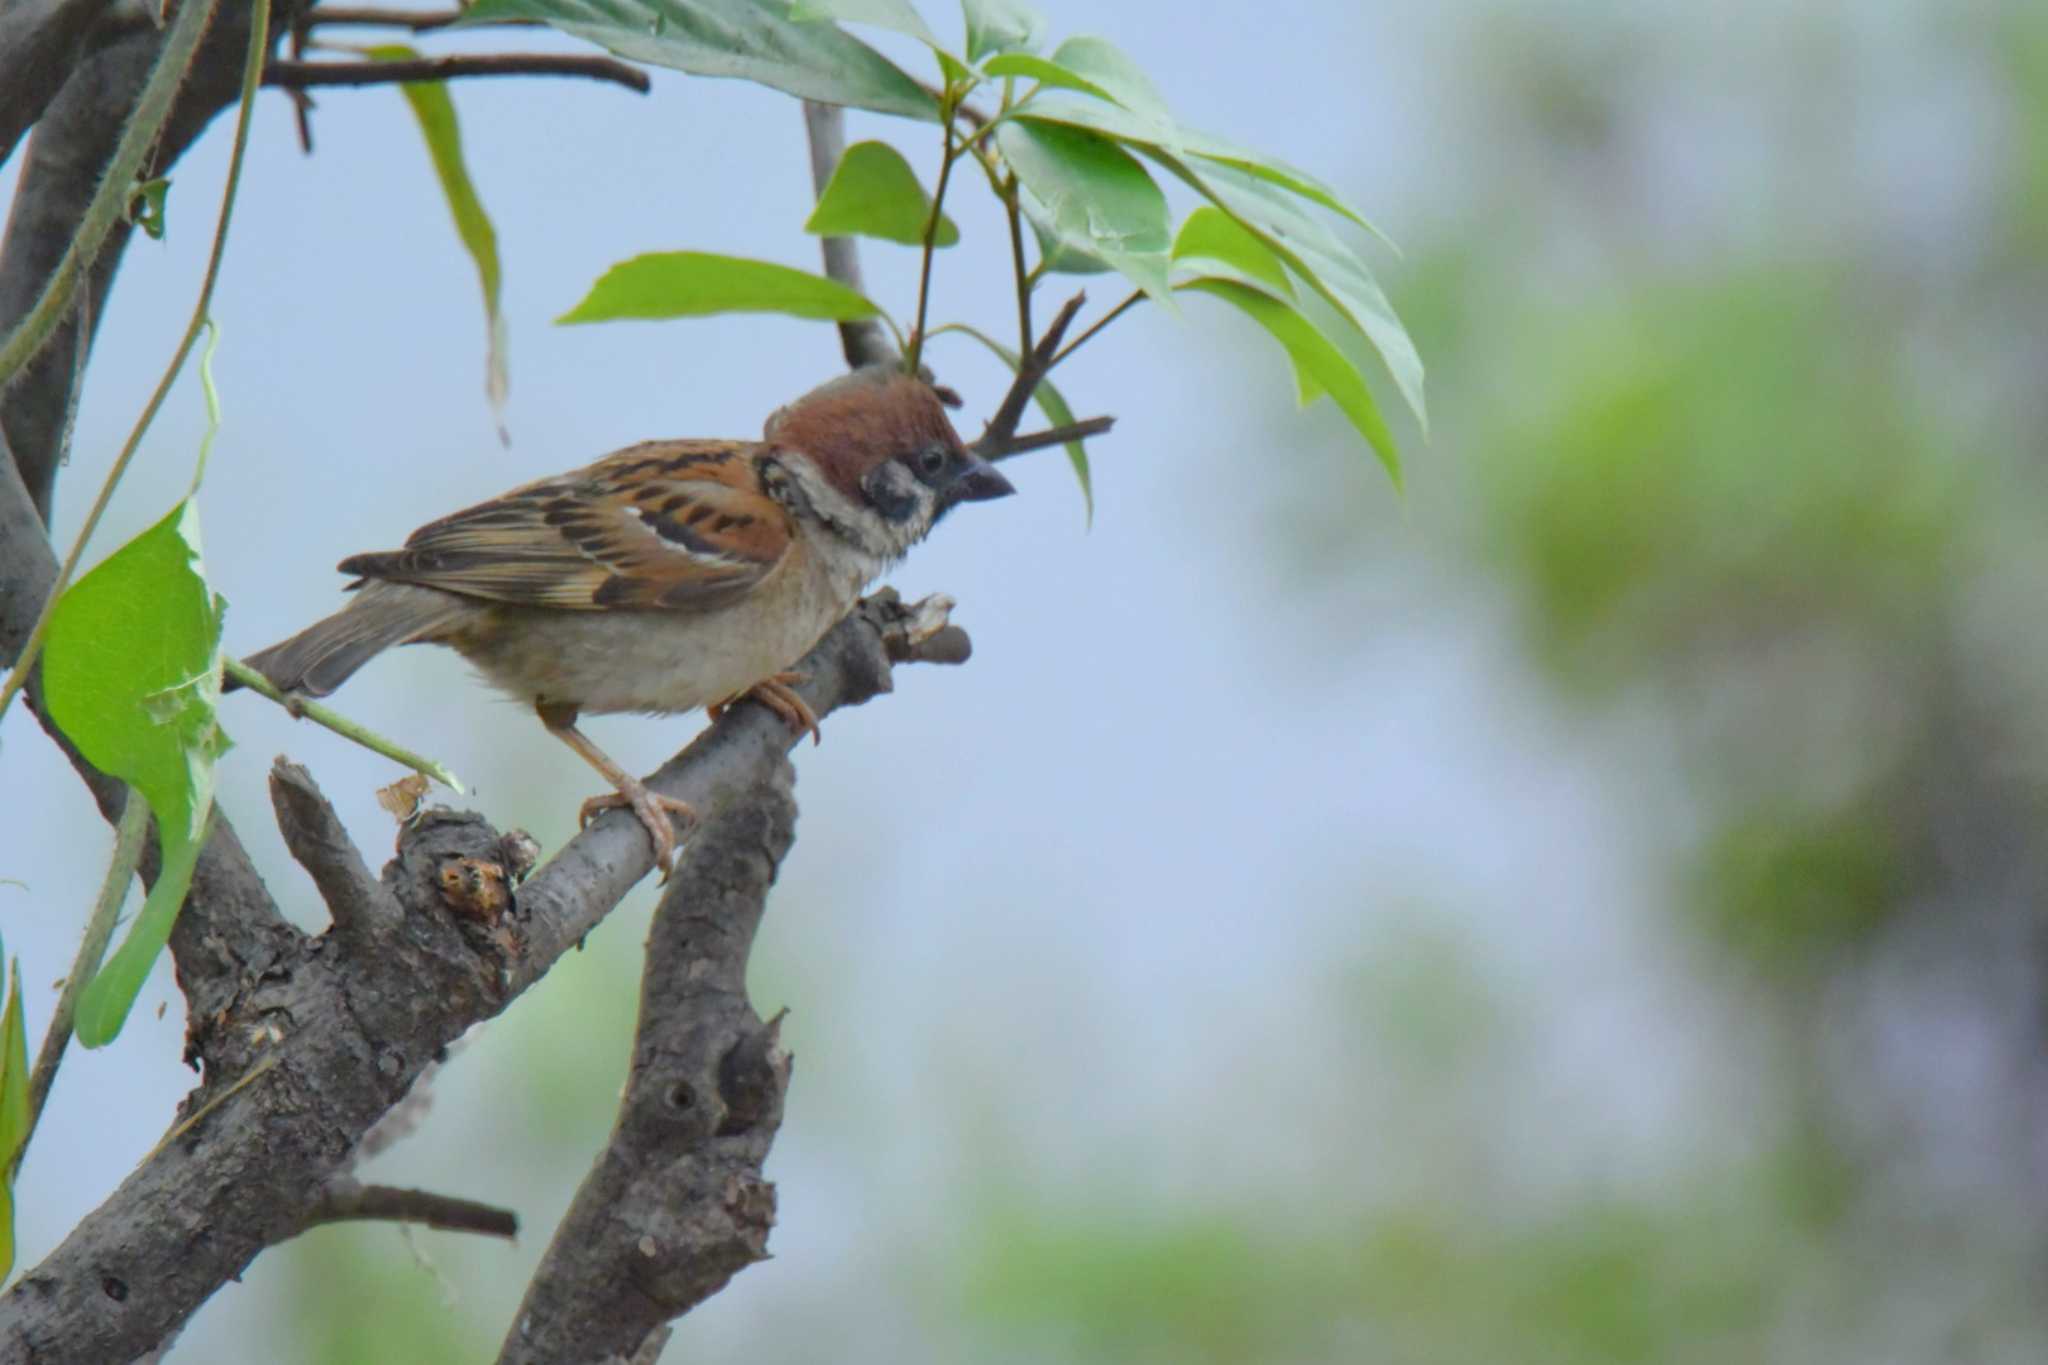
1104 67
131 673
749 40
13 1108
1210 234
1311 351
1001 26
435 113
1090 193
1120 123
898 15
874 193
694 284
1056 412
1062 258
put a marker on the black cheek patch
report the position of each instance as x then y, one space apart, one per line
887 493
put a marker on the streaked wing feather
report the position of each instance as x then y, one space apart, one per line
662 525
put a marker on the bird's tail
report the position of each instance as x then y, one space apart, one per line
325 654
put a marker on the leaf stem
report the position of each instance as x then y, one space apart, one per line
252 76
92 948
342 725
931 231
1136 296
1023 276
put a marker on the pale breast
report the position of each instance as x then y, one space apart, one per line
665 662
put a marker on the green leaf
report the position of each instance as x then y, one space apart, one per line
874 193
1053 406
1211 236
1045 71
1001 26
13 1108
131 673
1104 67
1314 354
1062 258
1330 267
899 15
1128 127
693 284
1087 192
750 40
435 113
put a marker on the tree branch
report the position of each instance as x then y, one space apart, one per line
294 75
1003 426
863 340
1039 440
343 1026
39 40
676 1203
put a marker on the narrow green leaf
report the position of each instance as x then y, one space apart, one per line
1052 405
1111 120
752 40
131 673
692 284
434 111
1311 351
1086 191
13 1108
1045 71
1001 26
1211 235
898 15
874 193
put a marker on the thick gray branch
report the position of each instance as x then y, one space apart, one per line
38 40
676 1203
333 1032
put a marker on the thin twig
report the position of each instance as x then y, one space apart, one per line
1035 362
419 21
1137 296
252 71
931 236
291 75
349 1202
92 949
1039 440
342 725
1017 265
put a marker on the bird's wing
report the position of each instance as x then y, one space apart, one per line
661 525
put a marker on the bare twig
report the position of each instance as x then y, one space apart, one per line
291 75
314 834
1035 363
1136 297
345 1201
863 340
1039 440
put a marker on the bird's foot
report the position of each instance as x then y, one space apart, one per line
775 693
657 815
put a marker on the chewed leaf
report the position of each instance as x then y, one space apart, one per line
131 673
874 193
689 284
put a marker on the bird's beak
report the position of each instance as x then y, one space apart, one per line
977 481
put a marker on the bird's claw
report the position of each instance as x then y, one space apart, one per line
657 815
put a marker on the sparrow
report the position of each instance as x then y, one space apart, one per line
666 576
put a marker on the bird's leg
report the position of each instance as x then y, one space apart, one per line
654 810
774 692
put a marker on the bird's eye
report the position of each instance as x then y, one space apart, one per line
931 460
